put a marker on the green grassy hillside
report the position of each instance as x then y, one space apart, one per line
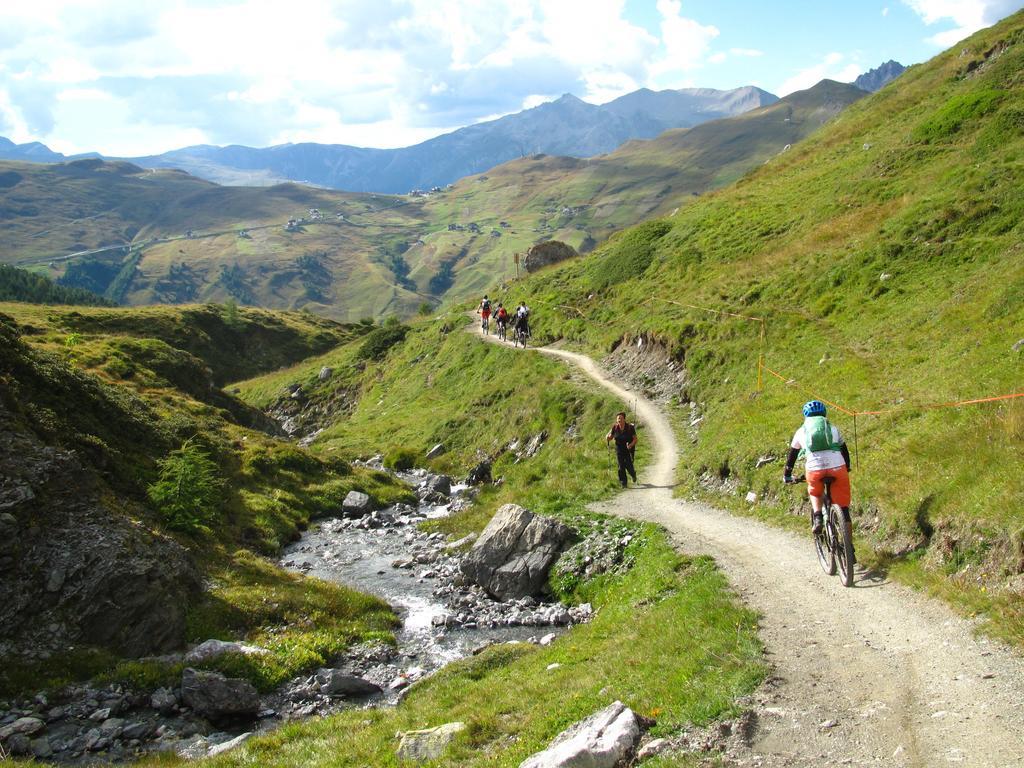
123 232
885 254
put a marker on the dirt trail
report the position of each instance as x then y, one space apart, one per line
875 675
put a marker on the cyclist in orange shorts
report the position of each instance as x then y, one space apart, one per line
827 456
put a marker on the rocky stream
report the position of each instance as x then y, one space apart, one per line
445 616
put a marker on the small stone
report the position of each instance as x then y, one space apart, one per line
751 497
548 639
553 666
828 724
652 748
325 373
224 746
1018 346
27 726
100 715
437 450
884 276
428 744
163 701
41 747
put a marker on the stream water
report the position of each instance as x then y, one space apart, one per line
443 618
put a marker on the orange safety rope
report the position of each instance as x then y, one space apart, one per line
794 383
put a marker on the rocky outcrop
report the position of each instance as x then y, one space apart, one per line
603 740
547 253
213 696
72 571
512 557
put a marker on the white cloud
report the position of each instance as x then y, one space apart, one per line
885 11
968 16
833 67
686 43
717 58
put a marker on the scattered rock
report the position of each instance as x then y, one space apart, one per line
652 748
479 474
751 497
603 740
437 450
1018 346
325 373
429 744
356 504
334 682
884 276
216 697
514 553
26 726
209 650
764 460
224 746
163 701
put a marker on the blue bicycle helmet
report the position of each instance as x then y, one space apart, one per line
814 408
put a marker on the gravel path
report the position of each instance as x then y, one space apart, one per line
875 675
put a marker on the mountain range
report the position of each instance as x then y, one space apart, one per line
164 236
567 126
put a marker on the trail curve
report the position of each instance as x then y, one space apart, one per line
874 675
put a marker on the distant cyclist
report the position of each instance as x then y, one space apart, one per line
485 313
522 319
501 319
827 456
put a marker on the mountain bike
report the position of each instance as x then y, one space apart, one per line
834 544
485 325
502 330
521 335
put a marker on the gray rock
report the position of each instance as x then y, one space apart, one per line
356 504
214 649
216 697
653 748
534 445
138 731
603 740
19 744
1018 346
27 726
437 450
437 485
224 746
41 747
163 701
479 474
428 744
325 373
546 253
334 682
512 557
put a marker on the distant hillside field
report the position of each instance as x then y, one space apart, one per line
885 254
144 237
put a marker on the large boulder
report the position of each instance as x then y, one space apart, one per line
335 682
512 557
356 504
215 697
213 649
603 740
546 253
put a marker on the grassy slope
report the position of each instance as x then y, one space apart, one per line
920 183
607 193
55 210
112 385
347 269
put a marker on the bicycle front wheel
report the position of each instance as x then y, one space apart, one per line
844 549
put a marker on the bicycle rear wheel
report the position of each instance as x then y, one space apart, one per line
844 548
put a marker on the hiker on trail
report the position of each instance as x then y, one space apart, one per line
624 435
827 456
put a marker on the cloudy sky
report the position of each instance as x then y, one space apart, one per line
128 78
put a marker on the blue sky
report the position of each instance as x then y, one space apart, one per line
129 78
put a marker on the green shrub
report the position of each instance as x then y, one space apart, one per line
380 340
626 256
187 493
402 458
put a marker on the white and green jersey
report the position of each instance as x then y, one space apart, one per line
820 459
